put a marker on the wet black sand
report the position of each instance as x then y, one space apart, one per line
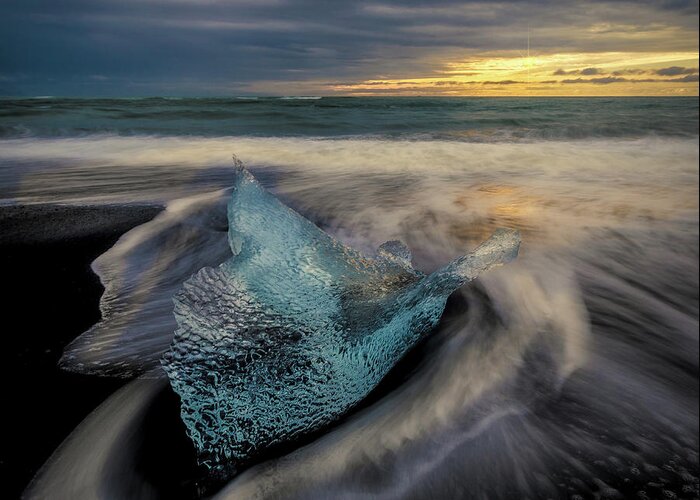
51 296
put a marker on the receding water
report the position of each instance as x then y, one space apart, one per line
572 371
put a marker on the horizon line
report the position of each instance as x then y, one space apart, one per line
316 97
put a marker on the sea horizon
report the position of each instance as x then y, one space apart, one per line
587 341
341 96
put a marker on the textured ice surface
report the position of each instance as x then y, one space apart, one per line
296 328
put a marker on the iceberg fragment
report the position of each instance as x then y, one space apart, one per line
296 328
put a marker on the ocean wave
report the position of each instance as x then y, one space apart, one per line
467 119
660 173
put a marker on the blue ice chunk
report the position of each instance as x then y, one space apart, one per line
296 328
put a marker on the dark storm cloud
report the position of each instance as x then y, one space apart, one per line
133 47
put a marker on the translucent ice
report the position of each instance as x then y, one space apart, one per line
296 328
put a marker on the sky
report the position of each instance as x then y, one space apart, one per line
346 47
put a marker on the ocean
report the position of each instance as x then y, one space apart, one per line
572 371
470 119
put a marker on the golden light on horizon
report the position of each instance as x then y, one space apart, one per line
563 74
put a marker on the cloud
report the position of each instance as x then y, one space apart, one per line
633 71
690 75
675 71
215 47
600 81
612 79
501 82
685 79
585 71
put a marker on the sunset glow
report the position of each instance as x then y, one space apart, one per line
607 73
278 47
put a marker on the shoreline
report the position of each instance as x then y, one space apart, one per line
68 238
53 297
45 223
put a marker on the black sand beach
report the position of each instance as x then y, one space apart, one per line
51 296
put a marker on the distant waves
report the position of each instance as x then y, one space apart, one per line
464 119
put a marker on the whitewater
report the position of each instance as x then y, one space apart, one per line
572 371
